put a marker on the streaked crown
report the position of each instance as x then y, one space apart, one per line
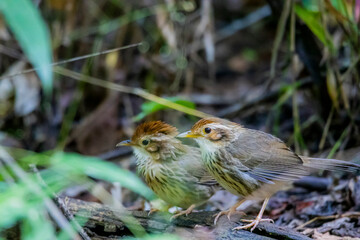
152 128
211 120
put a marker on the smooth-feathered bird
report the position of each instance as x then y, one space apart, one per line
173 170
253 164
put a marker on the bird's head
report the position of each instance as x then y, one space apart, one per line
155 140
212 133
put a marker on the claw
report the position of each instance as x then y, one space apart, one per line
253 223
186 212
228 212
153 210
247 226
218 215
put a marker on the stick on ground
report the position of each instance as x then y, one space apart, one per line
102 221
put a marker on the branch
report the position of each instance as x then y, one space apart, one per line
103 221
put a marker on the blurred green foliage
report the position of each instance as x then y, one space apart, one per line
148 108
30 30
21 203
313 21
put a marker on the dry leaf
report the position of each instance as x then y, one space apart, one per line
26 88
328 236
332 87
27 93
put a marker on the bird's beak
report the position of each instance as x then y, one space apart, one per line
188 134
124 143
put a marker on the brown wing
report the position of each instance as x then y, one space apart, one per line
266 158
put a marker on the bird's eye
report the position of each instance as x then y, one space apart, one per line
145 142
207 130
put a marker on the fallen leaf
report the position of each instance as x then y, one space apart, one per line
27 94
26 88
328 236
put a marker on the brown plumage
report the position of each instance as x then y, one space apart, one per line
253 164
174 171
153 127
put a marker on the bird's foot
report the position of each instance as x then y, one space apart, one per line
185 212
253 223
228 213
152 210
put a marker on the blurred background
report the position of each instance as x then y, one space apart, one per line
289 68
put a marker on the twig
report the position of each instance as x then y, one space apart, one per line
74 59
296 68
234 27
238 107
348 214
326 129
337 145
279 36
131 90
61 204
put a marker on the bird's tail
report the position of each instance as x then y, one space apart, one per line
330 164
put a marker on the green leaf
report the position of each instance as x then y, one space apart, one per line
18 201
36 226
341 7
99 169
148 108
312 20
14 204
311 5
30 30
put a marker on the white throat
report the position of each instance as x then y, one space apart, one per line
145 163
206 145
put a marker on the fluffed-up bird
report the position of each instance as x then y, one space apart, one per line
253 164
173 170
